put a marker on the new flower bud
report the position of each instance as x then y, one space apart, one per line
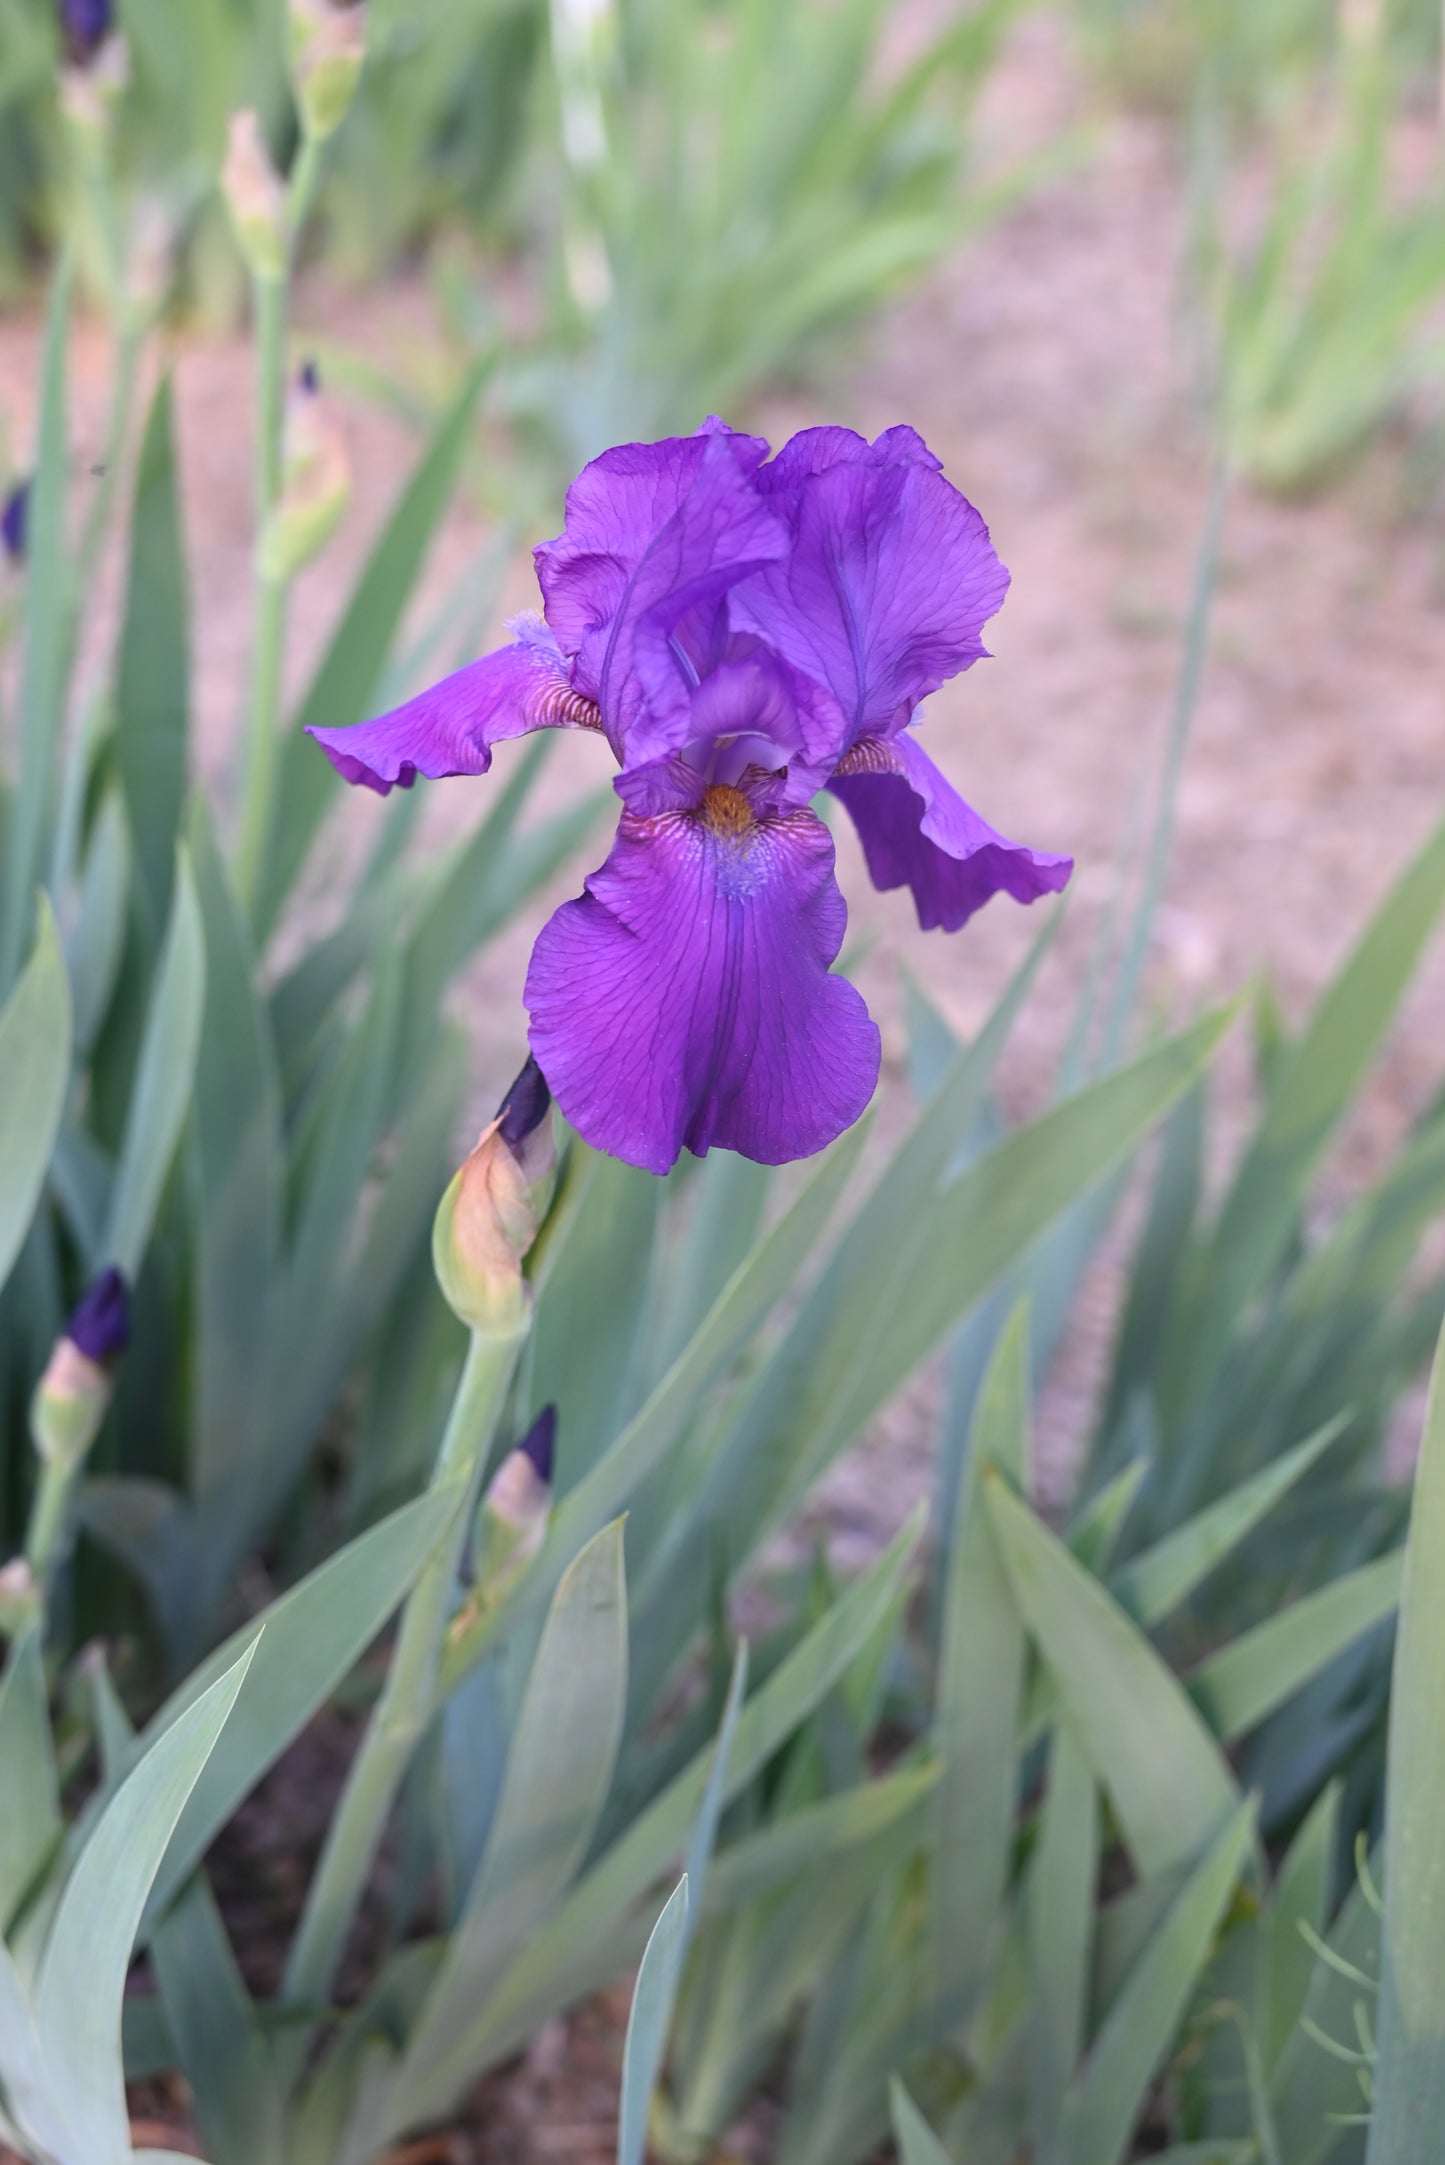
13 521
72 1396
315 482
255 198
21 1599
515 1511
493 1210
328 47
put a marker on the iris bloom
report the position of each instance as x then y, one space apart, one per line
744 631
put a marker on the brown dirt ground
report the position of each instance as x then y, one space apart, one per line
1045 365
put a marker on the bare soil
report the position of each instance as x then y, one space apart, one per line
1046 366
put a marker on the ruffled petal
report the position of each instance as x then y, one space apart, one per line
918 832
685 999
616 508
451 728
888 584
671 627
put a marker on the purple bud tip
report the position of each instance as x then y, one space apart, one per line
525 1105
85 25
310 378
540 1444
14 520
100 1326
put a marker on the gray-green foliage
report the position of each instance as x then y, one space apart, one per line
258 1152
1325 321
737 181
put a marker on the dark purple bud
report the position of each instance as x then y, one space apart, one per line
14 520
539 1445
100 1326
85 25
310 378
525 1106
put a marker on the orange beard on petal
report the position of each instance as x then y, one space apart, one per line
727 812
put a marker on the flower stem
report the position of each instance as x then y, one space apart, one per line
268 653
48 1512
408 1697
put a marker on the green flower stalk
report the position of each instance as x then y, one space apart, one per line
315 484
488 1220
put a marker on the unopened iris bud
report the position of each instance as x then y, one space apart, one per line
72 1396
493 1210
328 47
21 1598
14 519
515 1511
315 482
84 27
255 198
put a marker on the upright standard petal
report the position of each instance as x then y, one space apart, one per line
616 508
451 728
685 999
888 584
918 832
671 629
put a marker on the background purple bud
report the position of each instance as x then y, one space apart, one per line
540 1444
100 1326
309 378
13 521
525 1105
85 25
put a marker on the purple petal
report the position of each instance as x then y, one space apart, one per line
451 728
890 580
685 998
671 627
616 508
100 1322
918 832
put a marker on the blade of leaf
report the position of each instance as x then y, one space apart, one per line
152 689
1062 1887
1409 2098
1154 1583
1105 2100
34 1071
568 1945
165 1077
647 2024
1300 1898
82 1973
1147 1746
30 1822
917 2143
1257 1672
304 1644
559 1770
97 939
47 641
220 2048
975 1727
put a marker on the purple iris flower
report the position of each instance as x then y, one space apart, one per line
745 630
14 518
100 1322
